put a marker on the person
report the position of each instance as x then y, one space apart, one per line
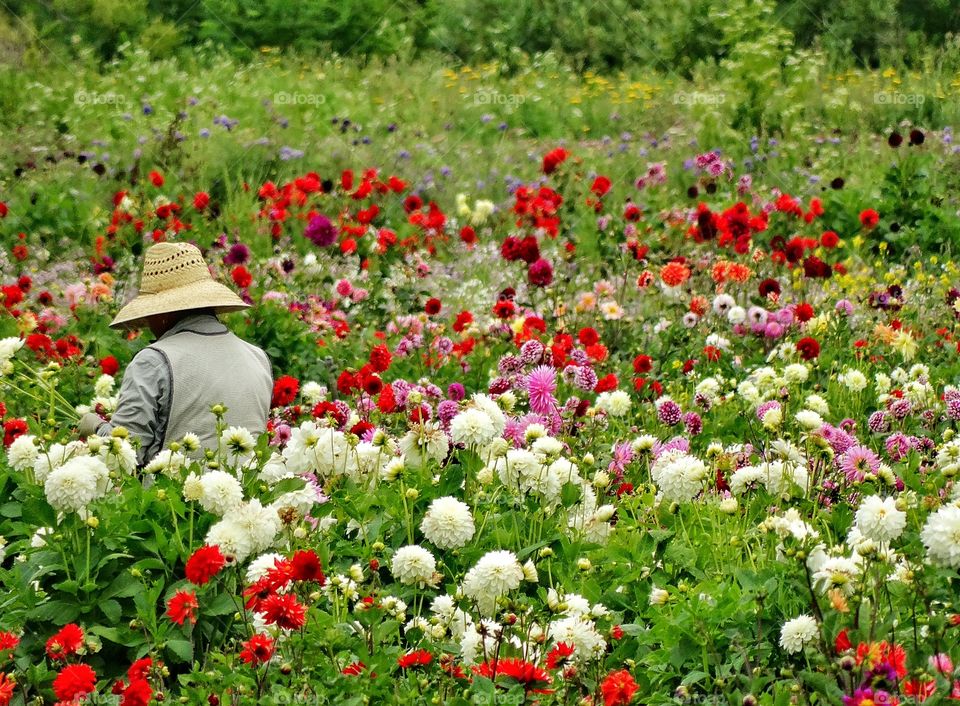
195 362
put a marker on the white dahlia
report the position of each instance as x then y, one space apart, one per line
413 564
797 633
221 492
23 452
879 519
448 523
473 428
77 483
497 573
941 536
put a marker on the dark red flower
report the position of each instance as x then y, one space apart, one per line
463 320
553 159
182 606
201 200
156 178
257 650
768 287
433 306
74 682
540 273
205 563
504 309
284 391
305 566
380 358
12 429
642 364
829 239
808 348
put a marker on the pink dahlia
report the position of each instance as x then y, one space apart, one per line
541 383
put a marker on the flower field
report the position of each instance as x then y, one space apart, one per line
583 393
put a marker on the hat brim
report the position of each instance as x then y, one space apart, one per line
205 294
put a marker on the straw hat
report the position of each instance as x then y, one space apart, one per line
176 278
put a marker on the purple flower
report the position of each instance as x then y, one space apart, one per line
669 412
320 231
237 255
456 392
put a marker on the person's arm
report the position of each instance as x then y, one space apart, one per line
144 404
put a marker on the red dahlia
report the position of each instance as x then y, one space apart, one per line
284 611
66 642
183 606
533 678
417 658
257 650
74 682
808 348
618 688
305 566
205 563
284 391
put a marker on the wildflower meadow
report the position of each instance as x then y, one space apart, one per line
623 386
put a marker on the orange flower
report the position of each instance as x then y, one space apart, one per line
674 274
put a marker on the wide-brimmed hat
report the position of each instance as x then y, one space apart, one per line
176 278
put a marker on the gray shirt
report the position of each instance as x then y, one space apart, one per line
146 393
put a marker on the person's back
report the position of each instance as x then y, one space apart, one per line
210 365
196 362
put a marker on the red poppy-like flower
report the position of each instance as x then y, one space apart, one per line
8 641
156 178
380 358
417 658
642 364
66 642
433 306
201 200
109 365
803 311
808 348
138 693
354 669
257 650
140 669
468 236
12 430
305 566
533 678
284 611
372 384
182 606
553 159
618 688
7 686
842 642
463 320
559 654
869 218
768 287
74 682
829 239
241 276
205 563
601 185
284 391
504 309
4 210
588 336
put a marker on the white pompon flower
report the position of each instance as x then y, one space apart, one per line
77 483
23 452
448 523
879 519
413 564
941 536
9 347
166 462
221 492
473 428
797 633
497 573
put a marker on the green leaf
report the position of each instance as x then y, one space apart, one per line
56 612
181 649
111 609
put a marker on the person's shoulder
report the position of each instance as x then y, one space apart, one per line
149 357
